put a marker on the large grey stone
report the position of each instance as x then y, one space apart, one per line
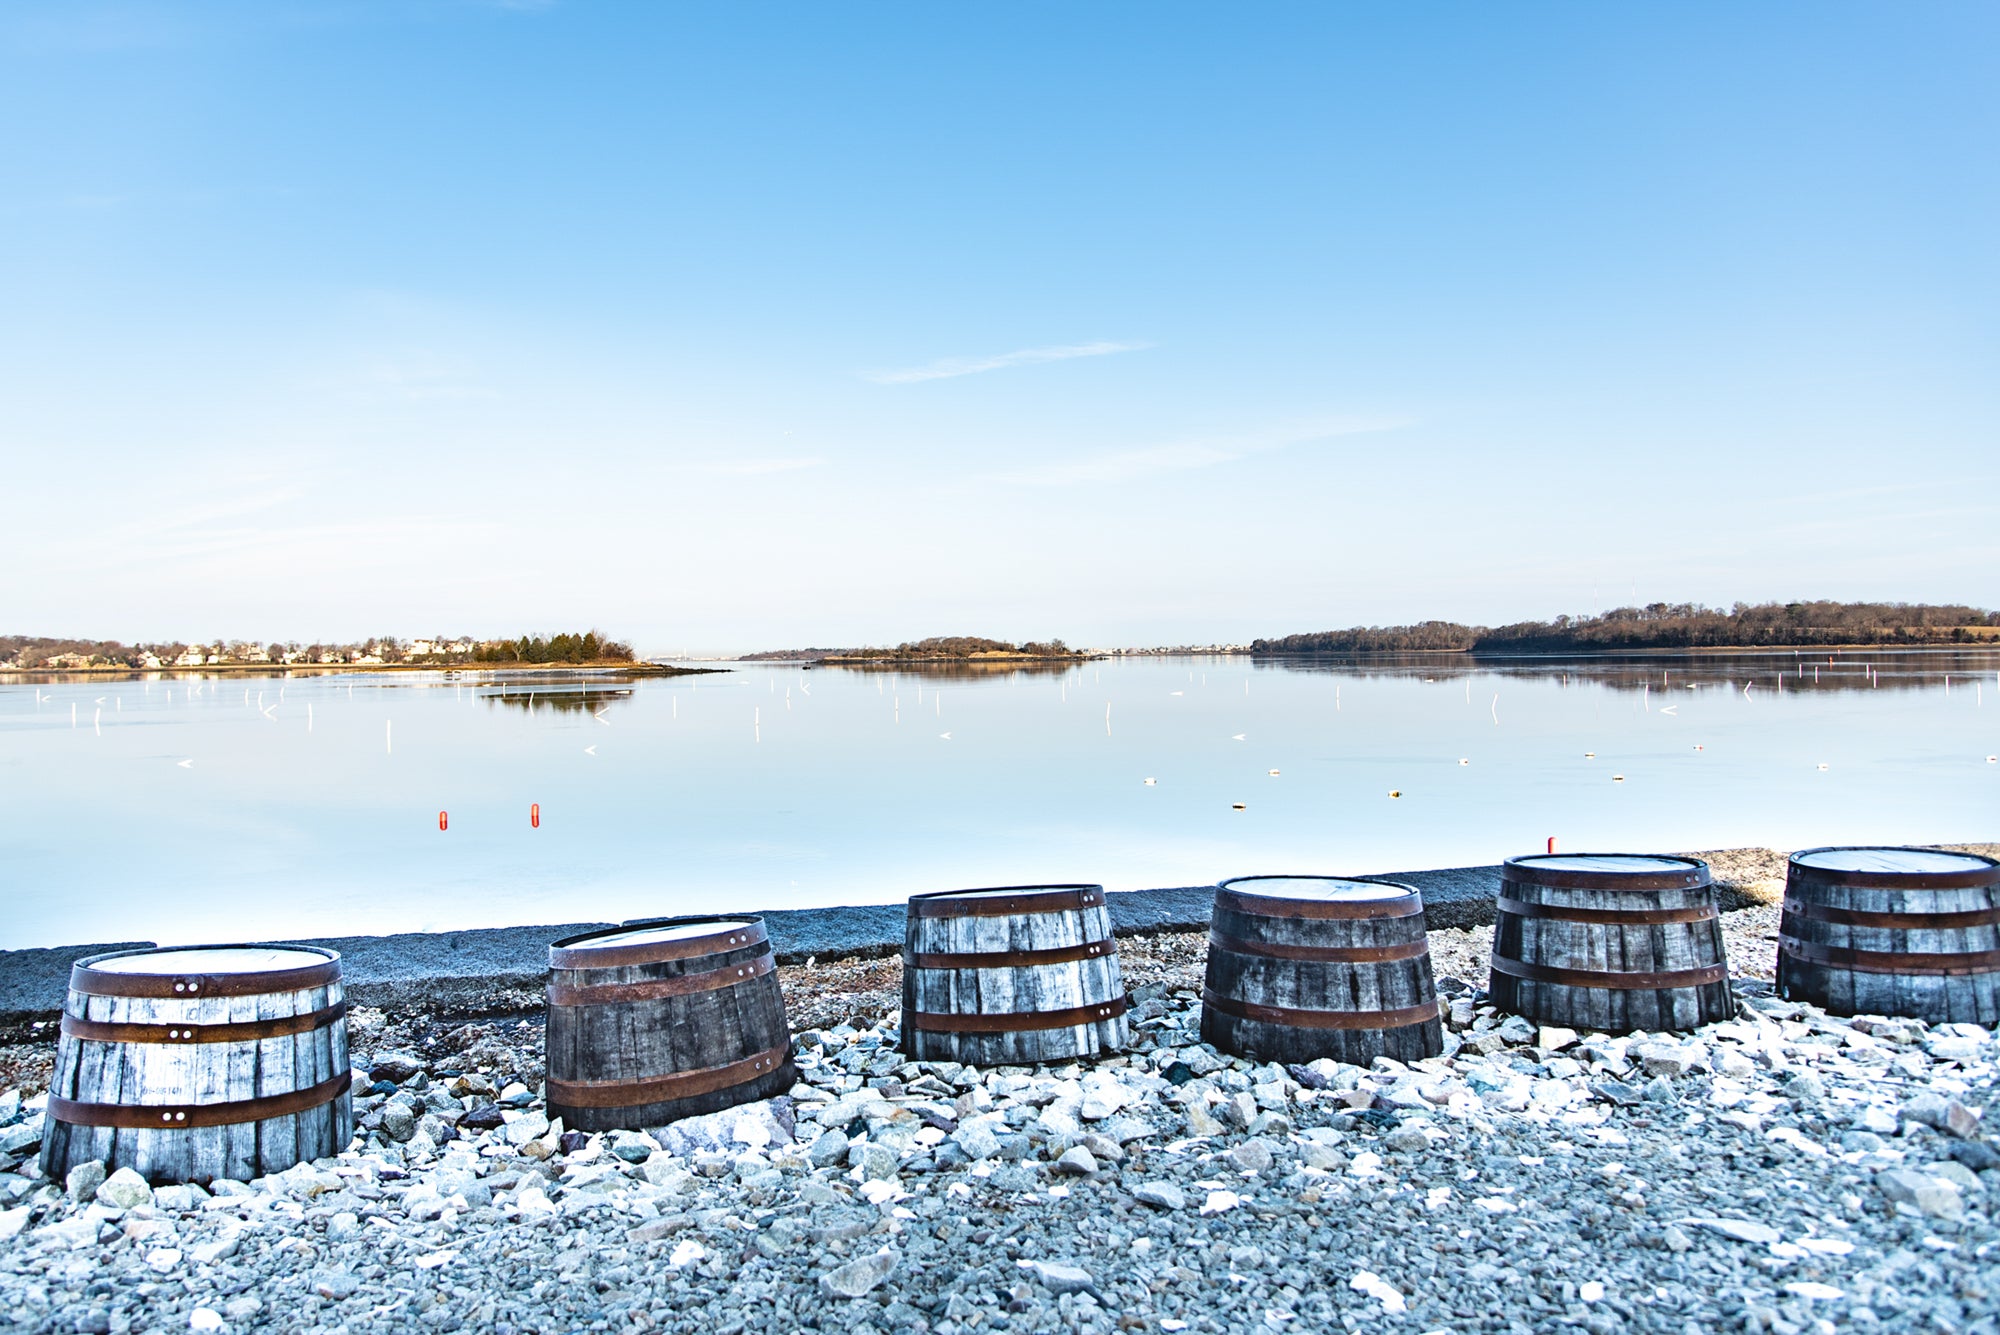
860 1276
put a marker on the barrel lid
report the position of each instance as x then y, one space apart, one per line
205 971
1000 901
1907 868
1320 897
656 942
1329 888
1607 871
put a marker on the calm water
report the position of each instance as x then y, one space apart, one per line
181 809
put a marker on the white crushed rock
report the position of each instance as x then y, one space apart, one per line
1776 1172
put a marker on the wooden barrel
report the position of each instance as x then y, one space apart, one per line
1304 967
661 1020
1609 942
1011 976
203 1062
1893 931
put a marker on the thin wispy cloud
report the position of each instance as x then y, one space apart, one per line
957 366
1200 452
756 467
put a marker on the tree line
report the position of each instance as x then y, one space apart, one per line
1668 626
966 646
568 647
57 653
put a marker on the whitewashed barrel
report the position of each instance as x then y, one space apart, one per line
1304 967
1011 976
202 1062
652 1022
1893 931
1611 942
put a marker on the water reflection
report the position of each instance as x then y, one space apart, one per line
556 697
1774 671
963 670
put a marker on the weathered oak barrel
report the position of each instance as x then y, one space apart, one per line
1610 942
1304 967
1011 976
203 1062
1893 931
656 1021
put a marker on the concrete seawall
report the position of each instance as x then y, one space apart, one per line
464 971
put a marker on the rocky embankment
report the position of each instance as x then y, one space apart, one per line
1785 1171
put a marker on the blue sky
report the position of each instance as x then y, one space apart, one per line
731 327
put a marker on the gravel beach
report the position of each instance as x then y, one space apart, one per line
1784 1171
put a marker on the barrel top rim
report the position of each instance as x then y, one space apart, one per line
996 891
657 932
1330 888
1857 857
1637 864
249 959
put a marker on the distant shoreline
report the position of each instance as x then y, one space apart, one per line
640 669
1644 651
896 660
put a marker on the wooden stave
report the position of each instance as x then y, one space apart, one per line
586 1043
203 1074
1869 987
1070 984
1635 947
1233 974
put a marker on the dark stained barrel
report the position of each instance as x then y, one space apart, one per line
656 1021
1609 942
1011 976
1304 967
1893 931
203 1062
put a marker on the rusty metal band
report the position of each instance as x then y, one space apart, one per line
1890 961
1274 950
193 986
1015 1022
102 1031
1267 906
1299 1019
183 1116
1514 872
573 952
1973 878
1030 899
1902 922
657 989
1016 959
662 1088
1521 908
1616 981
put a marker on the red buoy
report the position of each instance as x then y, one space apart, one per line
444 820
1552 843
535 815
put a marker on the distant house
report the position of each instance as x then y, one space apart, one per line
255 655
192 658
150 661
366 658
217 658
332 656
